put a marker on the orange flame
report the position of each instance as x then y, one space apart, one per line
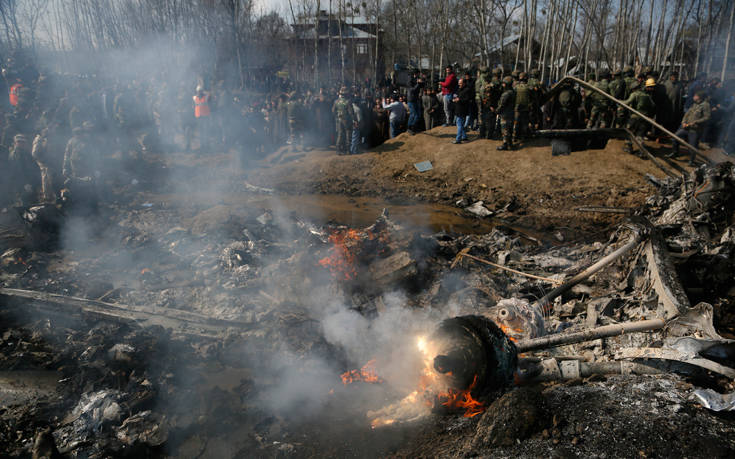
341 260
509 332
366 374
463 399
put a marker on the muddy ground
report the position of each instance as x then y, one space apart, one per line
198 235
540 191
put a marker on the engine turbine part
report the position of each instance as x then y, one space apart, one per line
474 347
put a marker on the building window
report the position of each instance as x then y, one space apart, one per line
362 48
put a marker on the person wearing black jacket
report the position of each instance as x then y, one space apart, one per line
414 101
462 103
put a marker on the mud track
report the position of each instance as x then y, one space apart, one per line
537 189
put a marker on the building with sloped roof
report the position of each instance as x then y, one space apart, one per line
355 37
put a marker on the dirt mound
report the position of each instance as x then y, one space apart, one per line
540 189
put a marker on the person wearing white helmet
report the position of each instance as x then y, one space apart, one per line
203 115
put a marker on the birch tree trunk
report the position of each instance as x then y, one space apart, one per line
316 44
340 22
699 42
377 37
570 40
727 44
329 44
518 43
650 27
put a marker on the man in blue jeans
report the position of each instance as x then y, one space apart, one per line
397 114
462 109
448 88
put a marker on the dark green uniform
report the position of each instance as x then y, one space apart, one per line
600 109
537 93
506 113
618 90
482 92
565 108
24 175
522 108
641 101
80 170
344 117
293 111
631 83
695 120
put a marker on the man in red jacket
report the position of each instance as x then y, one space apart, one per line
449 87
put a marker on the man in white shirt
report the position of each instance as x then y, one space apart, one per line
397 115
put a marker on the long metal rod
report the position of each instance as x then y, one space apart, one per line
561 339
629 108
544 302
465 254
580 132
643 148
605 209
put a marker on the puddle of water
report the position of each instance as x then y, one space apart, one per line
355 212
362 211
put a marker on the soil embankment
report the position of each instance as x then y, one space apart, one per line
534 187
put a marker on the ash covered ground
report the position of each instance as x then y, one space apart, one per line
222 317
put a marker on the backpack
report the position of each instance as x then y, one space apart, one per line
598 98
523 96
565 98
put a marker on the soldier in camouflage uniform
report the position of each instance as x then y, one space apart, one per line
694 121
564 108
506 113
344 117
497 90
80 169
522 106
630 83
617 90
515 74
641 100
123 108
24 173
487 103
537 94
481 83
293 111
39 153
629 79
600 109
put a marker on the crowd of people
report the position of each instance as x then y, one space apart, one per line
509 106
55 127
58 132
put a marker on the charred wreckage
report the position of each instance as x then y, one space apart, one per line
143 368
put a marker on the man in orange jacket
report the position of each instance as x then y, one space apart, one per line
15 92
203 115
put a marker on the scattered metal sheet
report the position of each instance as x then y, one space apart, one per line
479 209
673 354
715 401
423 166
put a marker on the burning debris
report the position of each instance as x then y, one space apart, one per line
452 347
365 374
